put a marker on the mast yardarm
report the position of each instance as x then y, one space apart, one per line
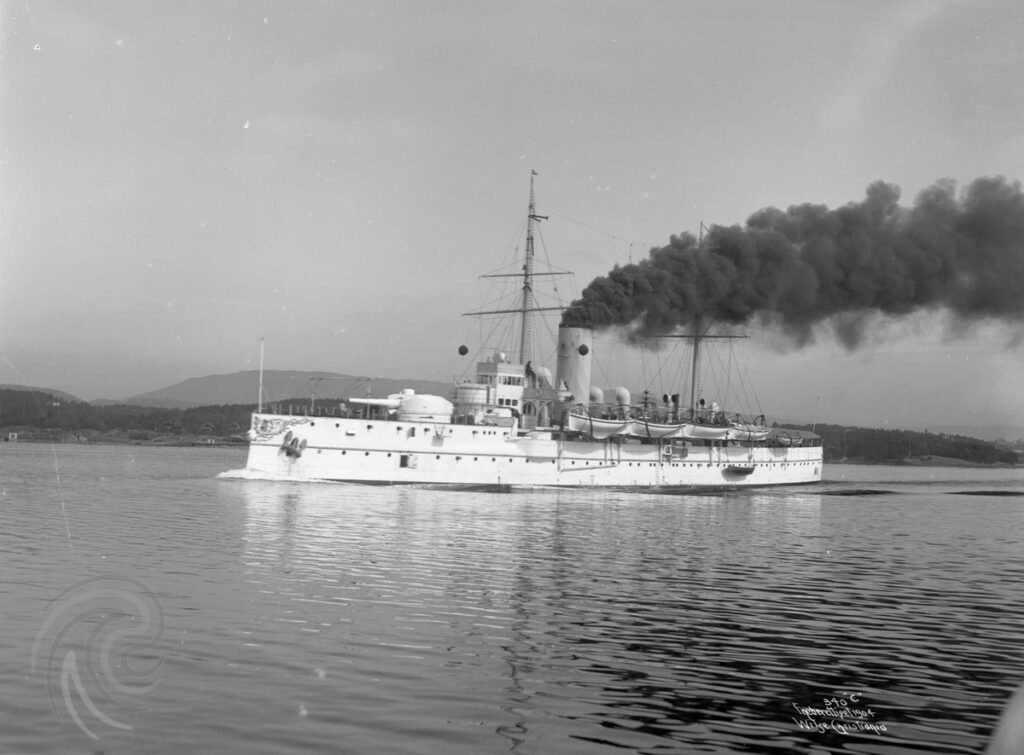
527 303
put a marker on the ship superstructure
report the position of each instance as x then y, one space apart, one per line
516 425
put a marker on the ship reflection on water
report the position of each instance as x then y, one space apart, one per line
558 621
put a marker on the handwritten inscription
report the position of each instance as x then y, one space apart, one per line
845 714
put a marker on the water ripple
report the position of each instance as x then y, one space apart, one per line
329 617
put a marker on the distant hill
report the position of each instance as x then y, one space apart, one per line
278 385
31 388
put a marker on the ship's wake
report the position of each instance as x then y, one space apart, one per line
257 474
261 476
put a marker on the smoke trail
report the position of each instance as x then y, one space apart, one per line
807 265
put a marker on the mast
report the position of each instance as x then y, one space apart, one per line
525 334
525 306
695 368
700 331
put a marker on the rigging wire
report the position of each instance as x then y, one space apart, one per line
499 295
555 297
738 385
581 224
757 401
752 407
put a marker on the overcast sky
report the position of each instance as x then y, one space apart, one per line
182 179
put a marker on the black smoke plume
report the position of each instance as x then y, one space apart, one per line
807 265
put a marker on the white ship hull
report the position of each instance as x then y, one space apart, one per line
496 429
457 455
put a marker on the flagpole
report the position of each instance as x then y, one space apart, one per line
259 399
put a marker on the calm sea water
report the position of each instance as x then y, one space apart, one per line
149 606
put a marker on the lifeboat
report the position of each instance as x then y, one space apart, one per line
643 428
747 431
597 427
706 432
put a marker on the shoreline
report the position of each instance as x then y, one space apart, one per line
209 442
926 461
177 442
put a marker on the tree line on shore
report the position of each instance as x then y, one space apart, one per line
862 444
26 410
36 410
